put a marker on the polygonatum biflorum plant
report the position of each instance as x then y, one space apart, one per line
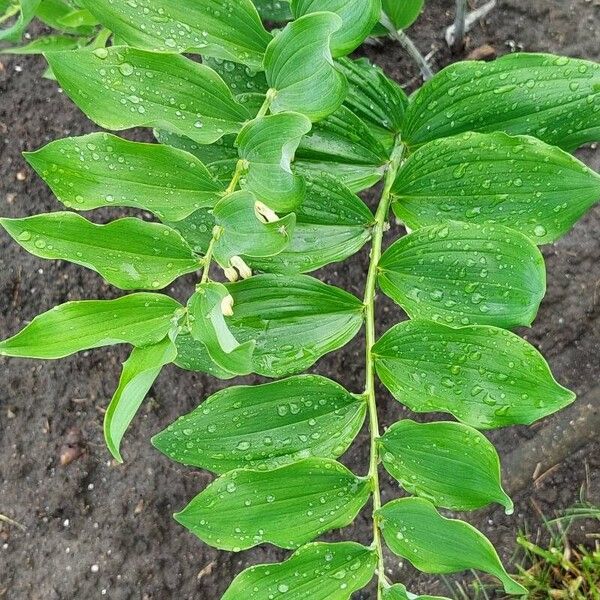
262 150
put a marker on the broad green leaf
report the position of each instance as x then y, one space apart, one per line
403 13
486 377
373 96
294 319
318 571
103 170
553 98
206 316
300 69
464 274
138 319
232 31
517 181
274 10
26 13
245 232
120 87
268 145
128 253
398 592
266 426
332 224
139 373
450 464
193 355
54 13
358 19
343 146
241 79
414 530
80 18
286 507
50 43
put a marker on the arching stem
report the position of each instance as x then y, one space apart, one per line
369 301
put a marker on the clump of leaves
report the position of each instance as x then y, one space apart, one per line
263 149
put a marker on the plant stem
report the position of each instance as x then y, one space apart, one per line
369 302
459 25
209 253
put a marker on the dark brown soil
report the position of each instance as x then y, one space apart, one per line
94 529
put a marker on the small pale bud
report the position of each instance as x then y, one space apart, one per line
227 306
264 213
231 274
242 268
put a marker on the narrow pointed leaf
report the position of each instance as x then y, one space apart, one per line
27 10
287 507
139 373
50 43
553 98
207 325
403 14
232 31
103 170
299 67
462 274
450 464
120 87
413 529
268 144
517 181
343 146
332 224
372 95
317 571
138 319
358 19
128 253
244 232
398 592
240 78
486 377
266 426
294 320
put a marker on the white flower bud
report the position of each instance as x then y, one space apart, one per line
264 213
242 268
231 274
227 305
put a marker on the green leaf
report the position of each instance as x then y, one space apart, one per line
103 170
240 79
245 232
274 10
343 146
193 355
207 325
139 373
413 529
128 253
268 145
27 10
358 19
286 507
266 426
138 319
553 98
463 274
121 87
484 376
49 43
80 18
398 592
294 319
232 31
299 67
518 181
449 464
318 571
332 224
403 14
373 96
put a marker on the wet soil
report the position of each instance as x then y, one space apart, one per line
94 529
